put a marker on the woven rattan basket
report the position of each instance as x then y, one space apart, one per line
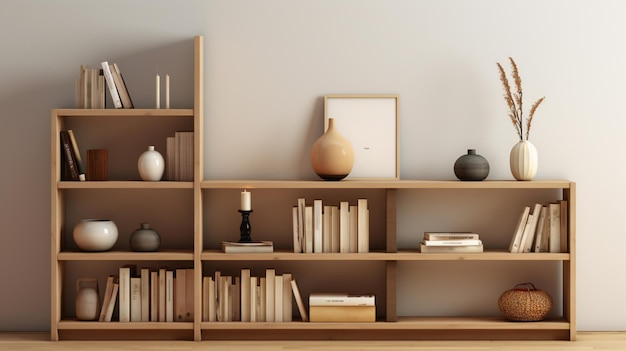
525 303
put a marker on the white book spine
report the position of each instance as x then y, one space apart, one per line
363 226
317 226
169 296
108 76
124 300
245 295
135 299
341 300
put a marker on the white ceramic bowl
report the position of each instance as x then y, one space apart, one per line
95 234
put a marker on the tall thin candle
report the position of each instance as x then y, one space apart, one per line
167 91
158 91
246 202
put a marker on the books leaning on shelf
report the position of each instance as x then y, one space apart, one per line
342 308
541 228
73 167
252 247
248 298
323 228
451 242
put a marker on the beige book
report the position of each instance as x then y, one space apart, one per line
245 295
180 295
334 314
270 291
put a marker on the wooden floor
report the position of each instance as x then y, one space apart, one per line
606 341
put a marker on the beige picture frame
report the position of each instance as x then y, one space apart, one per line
370 123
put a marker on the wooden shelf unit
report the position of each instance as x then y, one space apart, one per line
200 254
64 325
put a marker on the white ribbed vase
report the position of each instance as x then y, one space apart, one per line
524 160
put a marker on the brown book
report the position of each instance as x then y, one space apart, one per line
122 90
342 313
563 224
299 302
97 164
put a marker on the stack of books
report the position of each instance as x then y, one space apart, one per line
451 242
251 247
342 308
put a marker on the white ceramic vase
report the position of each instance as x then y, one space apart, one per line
524 160
151 165
95 234
87 299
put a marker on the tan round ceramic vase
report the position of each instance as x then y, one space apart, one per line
332 155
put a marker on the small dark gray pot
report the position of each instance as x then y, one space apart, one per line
471 167
145 239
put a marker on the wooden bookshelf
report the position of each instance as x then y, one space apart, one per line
200 199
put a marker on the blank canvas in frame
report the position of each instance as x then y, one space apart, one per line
370 123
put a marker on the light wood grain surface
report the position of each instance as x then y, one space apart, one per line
605 341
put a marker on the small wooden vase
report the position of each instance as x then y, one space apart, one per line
332 155
524 160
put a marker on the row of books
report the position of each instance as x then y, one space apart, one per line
149 295
441 242
331 308
92 83
319 228
179 156
541 228
90 88
249 298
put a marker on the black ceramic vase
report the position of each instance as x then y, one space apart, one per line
471 167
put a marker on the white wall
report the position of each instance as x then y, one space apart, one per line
268 63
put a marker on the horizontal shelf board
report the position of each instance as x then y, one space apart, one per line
125 112
383 184
171 255
403 255
403 323
488 323
85 325
488 255
216 255
124 184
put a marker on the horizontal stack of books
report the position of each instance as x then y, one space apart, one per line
342 308
451 242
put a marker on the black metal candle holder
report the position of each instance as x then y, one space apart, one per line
245 227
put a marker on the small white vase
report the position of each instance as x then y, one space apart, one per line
524 160
87 299
151 165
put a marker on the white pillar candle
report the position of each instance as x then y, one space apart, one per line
167 91
245 201
158 91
